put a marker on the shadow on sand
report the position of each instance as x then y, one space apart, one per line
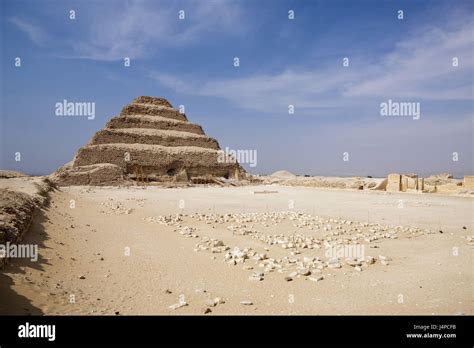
12 303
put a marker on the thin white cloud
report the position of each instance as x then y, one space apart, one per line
34 32
140 28
306 89
419 68
108 31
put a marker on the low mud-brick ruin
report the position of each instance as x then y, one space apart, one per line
149 141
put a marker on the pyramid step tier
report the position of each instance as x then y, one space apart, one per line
153 137
153 122
152 110
158 160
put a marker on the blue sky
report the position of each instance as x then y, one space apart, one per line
282 62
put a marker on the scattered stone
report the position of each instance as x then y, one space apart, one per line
384 258
316 279
246 303
334 265
338 233
211 303
304 272
178 305
219 300
370 260
256 276
353 263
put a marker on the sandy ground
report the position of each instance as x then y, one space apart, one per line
102 251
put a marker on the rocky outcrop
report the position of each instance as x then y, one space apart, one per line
7 174
16 210
20 198
149 141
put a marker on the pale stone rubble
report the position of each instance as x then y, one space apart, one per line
298 264
112 207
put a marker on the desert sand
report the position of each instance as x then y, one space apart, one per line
124 250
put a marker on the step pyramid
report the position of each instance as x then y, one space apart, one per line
149 141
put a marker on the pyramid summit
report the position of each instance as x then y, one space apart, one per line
149 141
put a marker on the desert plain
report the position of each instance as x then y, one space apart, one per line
152 217
254 249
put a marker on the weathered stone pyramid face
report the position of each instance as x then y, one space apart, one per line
148 141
